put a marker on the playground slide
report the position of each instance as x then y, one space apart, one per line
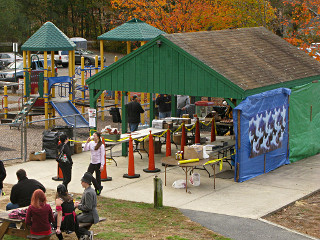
67 108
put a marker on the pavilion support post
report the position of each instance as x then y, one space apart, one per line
151 109
173 106
124 121
93 105
142 102
128 47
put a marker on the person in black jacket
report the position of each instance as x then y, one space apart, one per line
134 110
3 175
66 167
164 103
21 192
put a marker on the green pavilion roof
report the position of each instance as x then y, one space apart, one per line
48 38
133 30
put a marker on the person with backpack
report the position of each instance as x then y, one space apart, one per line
64 159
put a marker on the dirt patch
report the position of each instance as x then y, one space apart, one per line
302 216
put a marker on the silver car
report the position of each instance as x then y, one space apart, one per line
8 57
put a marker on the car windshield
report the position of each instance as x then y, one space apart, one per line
13 65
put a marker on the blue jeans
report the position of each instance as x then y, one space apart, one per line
180 112
164 114
11 206
133 126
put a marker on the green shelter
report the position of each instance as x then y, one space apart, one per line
133 30
232 63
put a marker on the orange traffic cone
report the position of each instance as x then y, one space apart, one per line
183 139
103 174
151 168
59 176
168 144
213 130
197 137
131 173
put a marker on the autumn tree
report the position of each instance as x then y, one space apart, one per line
302 22
195 15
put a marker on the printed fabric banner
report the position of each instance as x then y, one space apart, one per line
263 133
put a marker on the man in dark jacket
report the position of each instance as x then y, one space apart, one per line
164 103
134 110
21 192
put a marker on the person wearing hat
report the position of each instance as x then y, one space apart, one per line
88 203
134 110
66 167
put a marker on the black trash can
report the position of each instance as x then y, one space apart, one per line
67 130
50 143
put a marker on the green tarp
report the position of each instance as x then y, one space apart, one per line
304 121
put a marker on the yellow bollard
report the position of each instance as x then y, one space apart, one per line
5 90
46 103
128 47
82 83
101 55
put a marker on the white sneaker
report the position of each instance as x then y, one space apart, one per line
91 235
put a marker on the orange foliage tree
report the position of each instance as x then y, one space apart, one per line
302 21
196 15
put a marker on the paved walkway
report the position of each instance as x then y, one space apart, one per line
232 209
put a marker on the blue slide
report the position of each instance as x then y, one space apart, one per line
67 108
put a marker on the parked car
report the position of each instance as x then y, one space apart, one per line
61 58
89 58
37 66
2 65
8 57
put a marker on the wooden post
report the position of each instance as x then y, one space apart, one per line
158 194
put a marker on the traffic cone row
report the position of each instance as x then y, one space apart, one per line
131 173
197 135
183 139
213 130
151 168
103 174
168 144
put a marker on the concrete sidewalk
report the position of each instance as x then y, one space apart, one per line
251 199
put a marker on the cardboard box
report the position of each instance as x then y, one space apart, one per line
37 157
113 137
168 125
156 146
157 124
77 147
177 138
193 151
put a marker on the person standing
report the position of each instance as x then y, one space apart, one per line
183 102
88 204
134 109
66 167
21 192
3 175
39 214
97 161
164 103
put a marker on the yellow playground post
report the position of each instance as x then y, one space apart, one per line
5 90
82 83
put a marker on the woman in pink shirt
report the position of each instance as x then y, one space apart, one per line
97 162
39 214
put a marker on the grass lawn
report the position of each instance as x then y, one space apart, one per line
132 220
